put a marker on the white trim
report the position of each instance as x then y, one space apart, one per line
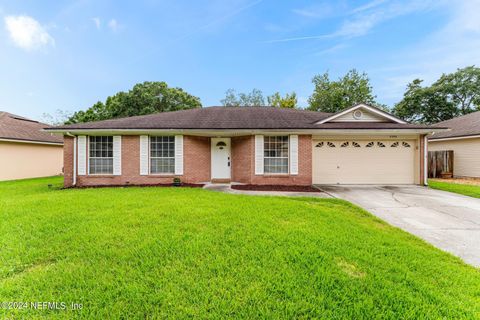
144 155
117 155
82 155
74 182
432 139
293 153
178 155
362 106
33 142
425 160
259 170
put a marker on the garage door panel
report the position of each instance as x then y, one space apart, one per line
368 163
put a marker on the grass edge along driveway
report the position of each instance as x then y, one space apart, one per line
174 252
464 189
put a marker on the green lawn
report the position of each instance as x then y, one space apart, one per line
465 189
184 253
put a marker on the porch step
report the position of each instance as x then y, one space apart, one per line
223 181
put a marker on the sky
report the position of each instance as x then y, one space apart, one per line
67 55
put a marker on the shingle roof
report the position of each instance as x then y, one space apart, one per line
234 118
467 125
15 127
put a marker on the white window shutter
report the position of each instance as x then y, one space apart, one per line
294 154
258 154
143 155
117 155
179 155
82 155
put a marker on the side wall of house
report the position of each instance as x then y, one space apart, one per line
466 155
29 160
243 164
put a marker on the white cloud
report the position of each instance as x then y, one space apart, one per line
316 11
97 22
113 25
27 33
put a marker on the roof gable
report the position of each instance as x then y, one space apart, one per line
362 113
17 128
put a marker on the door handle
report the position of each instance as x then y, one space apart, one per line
229 163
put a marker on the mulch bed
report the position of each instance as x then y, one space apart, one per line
184 185
252 187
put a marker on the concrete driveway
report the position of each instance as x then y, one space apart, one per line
448 221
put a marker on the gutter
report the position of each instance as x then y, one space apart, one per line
74 182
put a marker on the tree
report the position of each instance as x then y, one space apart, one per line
144 98
57 118
452 95
334 96
253 99
276 100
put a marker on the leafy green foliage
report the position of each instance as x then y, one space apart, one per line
452 95
465 189
143 98
347 91
289 101
135 253
252 99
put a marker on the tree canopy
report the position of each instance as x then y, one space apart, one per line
255 98
452 95
144 98
334 96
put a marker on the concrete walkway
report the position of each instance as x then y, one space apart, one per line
227 189
447 220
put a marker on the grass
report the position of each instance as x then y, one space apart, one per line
189 253
465 189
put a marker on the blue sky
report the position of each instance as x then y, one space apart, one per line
69 54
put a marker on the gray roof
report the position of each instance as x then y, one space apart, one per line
230 118
463 126
13 127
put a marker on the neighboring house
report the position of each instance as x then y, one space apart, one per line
26 151
464 140
251 145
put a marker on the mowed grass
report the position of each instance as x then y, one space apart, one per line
465 189
136 253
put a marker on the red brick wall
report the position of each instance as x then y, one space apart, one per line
197 164
67 161
243 163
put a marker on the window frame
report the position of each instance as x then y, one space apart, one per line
287 157
89 157
150 156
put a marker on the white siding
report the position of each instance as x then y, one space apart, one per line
366 117
466 155
293 154
179 155
258 154
144 155
117 155
82 155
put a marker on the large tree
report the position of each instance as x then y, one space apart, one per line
144 98
289 101
334 96
452 95
252 99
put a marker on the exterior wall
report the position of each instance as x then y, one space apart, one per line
196 165
466 155
243 163
366 117
29 160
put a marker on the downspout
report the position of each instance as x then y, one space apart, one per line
425 160
74 182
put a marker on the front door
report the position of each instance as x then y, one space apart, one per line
220 158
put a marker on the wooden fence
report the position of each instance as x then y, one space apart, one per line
440 162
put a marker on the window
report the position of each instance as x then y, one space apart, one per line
331 144
275 154
162 154
380 144
370 144
355 144
100 155
405 144
345 144
319 145
394 145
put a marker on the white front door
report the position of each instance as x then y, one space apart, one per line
220 158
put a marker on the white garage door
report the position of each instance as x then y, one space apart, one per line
363 162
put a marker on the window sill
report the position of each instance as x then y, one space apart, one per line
276 175
101 176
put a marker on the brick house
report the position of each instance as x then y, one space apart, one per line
250 145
